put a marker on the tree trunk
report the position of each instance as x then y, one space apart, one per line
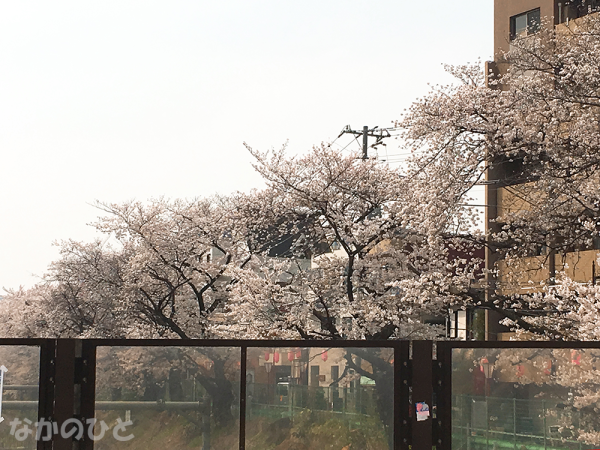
220 390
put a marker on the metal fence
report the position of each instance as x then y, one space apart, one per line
279 395
518 395
511 423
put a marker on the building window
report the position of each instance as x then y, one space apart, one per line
524 24
457 328
573 9
335 373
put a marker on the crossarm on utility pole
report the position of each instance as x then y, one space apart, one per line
366 133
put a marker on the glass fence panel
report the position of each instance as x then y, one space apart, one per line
20 367
167 397
525 399
313 398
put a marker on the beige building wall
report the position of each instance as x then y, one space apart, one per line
505 9
528 274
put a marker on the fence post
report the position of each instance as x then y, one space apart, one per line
85 377
46 386
442 424
402 424
422 391
544 415
515 423
243 395
206 413
64 389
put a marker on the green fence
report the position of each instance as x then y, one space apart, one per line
287 400
509 423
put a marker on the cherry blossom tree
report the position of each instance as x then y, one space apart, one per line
24 314
534 128
176 277
166 276
380 255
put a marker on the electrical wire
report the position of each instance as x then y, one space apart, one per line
351 142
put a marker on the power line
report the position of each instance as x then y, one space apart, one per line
349 143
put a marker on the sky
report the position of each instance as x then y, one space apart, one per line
119 100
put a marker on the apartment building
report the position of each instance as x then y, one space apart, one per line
506 180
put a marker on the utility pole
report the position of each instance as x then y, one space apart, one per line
379 134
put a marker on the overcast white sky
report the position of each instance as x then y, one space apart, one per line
117 100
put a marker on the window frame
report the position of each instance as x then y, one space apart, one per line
529 28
